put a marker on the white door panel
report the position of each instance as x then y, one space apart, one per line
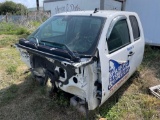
118 60
138 39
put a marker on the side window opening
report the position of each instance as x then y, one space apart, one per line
119 36
135 27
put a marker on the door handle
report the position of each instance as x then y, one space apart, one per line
130 54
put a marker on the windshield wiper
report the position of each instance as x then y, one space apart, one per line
73 56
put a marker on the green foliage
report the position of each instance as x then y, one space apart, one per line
21 31
131 106
62 101
13 8
7 28
11 29
35 23
11 69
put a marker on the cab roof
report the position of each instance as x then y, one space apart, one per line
99 13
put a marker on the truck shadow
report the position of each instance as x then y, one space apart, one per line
28 100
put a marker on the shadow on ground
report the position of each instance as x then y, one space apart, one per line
29 101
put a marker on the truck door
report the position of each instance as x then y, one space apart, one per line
117 60
138 39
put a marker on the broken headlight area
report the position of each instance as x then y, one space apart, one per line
64 51
73 74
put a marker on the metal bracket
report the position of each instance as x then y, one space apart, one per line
155 90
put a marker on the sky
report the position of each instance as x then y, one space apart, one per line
27 3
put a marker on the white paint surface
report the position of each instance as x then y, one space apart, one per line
80 5
71 5
149 13
112 5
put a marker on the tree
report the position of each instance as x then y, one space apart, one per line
13 8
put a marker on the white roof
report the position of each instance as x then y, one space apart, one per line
100 13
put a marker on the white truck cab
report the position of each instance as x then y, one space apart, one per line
89 54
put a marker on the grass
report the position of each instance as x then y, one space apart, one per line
13 29
11 69
21 97
133 100
10 94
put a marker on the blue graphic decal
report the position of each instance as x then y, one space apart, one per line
117 72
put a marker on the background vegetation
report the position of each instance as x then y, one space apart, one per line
13 8
11 28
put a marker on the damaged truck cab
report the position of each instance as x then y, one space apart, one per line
85 53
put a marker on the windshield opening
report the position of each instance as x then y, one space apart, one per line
79 33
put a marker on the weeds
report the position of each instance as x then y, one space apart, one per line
13 29
11 32
35 23
21 31
11 69
7 40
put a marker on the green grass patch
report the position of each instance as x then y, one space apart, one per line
9 94
150 56
131 106
10 59
7 40
11 69
13 29
35 23
21 31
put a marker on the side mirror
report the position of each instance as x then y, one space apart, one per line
114 21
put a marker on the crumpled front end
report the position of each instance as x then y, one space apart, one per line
80 77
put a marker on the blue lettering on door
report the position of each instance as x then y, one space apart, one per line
117 72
